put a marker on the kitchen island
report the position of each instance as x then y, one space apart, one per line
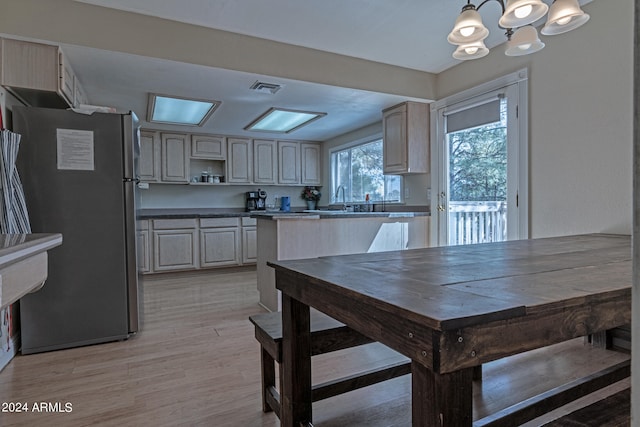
23 263
289 236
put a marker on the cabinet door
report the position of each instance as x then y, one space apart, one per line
310 164
249 245
209 147
143 247
288 162
219 247
239 161
175 160
394 123
149 162
174 250
265 160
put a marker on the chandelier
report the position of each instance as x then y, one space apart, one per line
517 16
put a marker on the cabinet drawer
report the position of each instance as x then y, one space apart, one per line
248 222
142 224
169 224
218 222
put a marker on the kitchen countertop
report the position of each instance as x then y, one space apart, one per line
23 263
173 213
16 247
329 214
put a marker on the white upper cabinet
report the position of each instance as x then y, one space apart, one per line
167 157
310 153
149 163
239 161
265 161
38 74
406 138
175 158
288 162
211 147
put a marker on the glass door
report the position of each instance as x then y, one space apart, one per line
478 170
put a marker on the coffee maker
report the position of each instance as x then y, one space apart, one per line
256 200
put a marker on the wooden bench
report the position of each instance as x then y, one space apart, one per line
537 406
327 335
613 411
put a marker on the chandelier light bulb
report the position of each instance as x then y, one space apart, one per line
563 21
467 31
518 13
471 51
523 11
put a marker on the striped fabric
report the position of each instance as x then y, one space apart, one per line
14 218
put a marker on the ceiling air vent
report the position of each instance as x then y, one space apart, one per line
265 87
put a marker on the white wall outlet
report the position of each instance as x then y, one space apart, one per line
406 193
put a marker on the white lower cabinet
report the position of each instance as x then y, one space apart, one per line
219 242
143 245
175 244
191 243
249 241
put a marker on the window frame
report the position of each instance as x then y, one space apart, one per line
350 146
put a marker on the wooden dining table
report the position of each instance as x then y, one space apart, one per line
451 309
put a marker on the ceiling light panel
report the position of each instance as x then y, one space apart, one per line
282 120
180 111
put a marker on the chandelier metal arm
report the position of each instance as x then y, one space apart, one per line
487 1
508 31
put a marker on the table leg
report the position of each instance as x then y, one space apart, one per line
441 399
295 397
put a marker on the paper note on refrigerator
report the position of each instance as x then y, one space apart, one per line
75 149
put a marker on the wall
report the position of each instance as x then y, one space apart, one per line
415 184
224 196
580 104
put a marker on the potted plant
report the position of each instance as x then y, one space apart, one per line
311 195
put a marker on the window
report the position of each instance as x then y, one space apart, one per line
358 170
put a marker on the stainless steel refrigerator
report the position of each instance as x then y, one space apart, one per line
79 177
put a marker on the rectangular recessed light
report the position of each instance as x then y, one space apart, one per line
282 120
180 111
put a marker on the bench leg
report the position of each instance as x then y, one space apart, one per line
268 378
477 373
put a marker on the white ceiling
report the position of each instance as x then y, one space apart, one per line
406 33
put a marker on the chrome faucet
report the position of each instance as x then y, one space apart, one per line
344 203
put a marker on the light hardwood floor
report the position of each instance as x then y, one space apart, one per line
196 363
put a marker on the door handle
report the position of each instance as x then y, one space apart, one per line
443 198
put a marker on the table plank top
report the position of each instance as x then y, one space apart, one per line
458 286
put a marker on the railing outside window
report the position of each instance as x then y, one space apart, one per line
477 222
